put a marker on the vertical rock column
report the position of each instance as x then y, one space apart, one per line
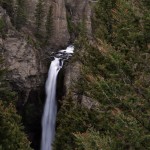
60 35
80 12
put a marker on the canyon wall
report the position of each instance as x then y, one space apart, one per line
24 61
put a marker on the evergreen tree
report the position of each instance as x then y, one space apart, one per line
49 23
20 14
146 21
115 73
9 6
12 136
6 94
103 14
39 15
2 27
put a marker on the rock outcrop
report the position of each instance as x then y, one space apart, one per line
22 62
80 12
26 71
72 75
60 35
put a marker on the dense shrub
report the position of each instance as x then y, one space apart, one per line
115 72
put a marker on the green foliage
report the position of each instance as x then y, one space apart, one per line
9 6
2 27
11 134
39 15
16 11
70 24
20 14
6 94
103 19
2 24
71 118
49 23
146 3
146 23
115 72
127 25
124 108
75 29
92 140
69 121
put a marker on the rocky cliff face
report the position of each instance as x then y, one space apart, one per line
26 73
60 31
79 11
26 69
24 62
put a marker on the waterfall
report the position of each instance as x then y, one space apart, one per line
50 108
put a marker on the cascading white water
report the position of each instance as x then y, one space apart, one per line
50 109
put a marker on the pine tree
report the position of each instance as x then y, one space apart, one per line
103 14
49 23
146 20
12 136
2 27
5 92
115 73
39 15
9 6
20 14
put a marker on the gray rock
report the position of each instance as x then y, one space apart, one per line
88 102
22 63
80 10
25 69
60 35
72 75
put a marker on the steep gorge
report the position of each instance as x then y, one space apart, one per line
27 63
103 91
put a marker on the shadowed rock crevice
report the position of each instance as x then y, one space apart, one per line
32 115
60 91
